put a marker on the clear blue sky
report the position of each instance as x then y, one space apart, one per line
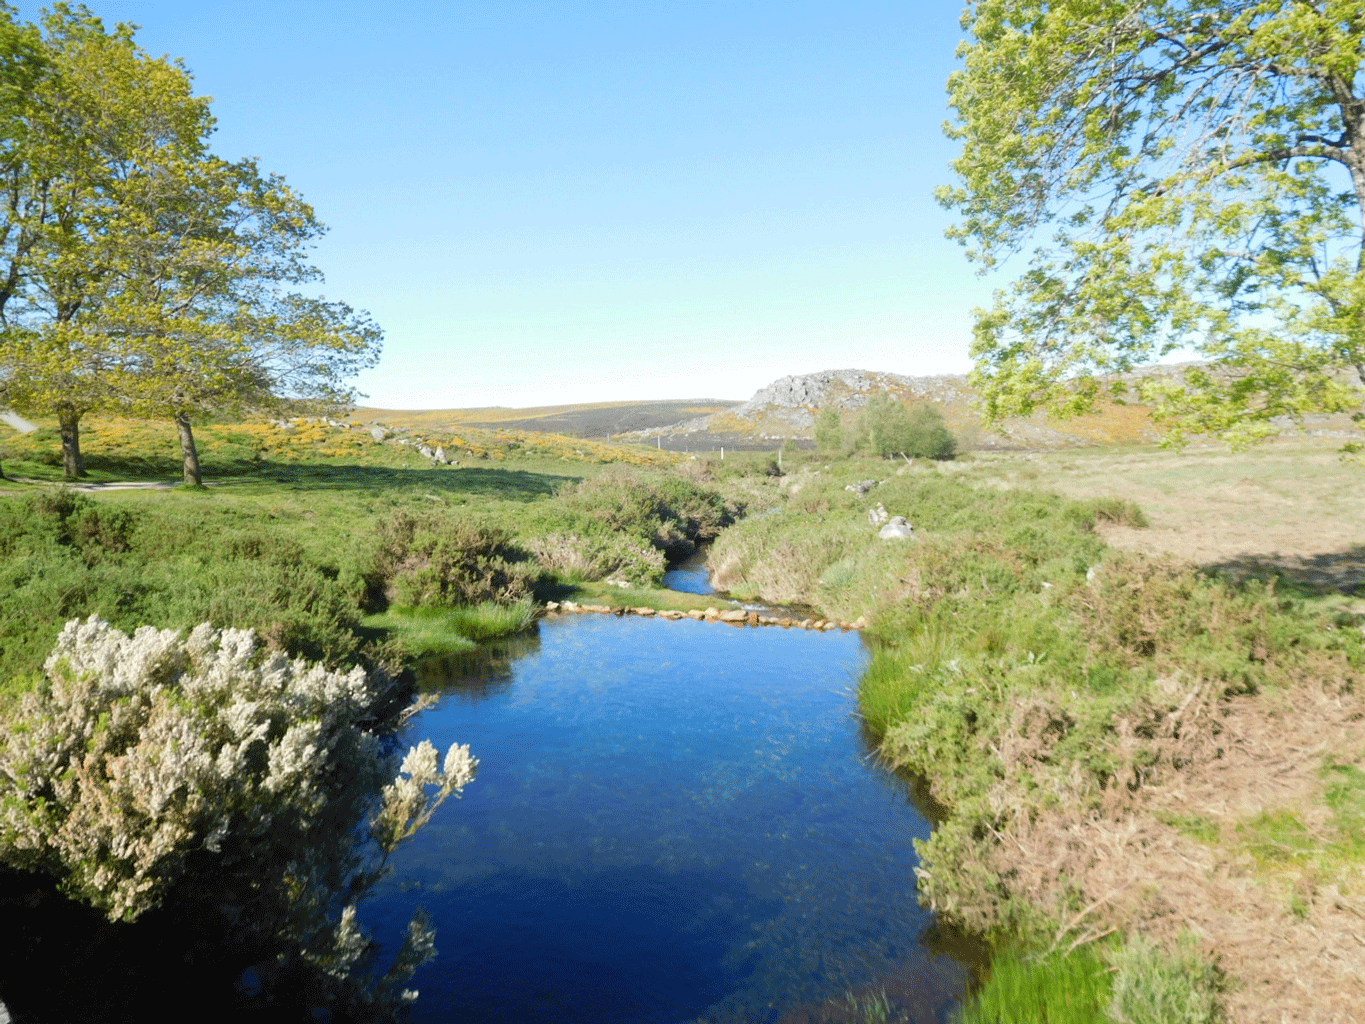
566 201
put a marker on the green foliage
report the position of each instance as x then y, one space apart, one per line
669 512
144 272
888 428
1211 203
1052 989
443 559
829 432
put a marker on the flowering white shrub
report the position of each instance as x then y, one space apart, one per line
145 761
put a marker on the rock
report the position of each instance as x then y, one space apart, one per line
440 455
753 618
379 433
859 623
552 606
643 612
737 615
862 486
712 613
568 606
671 614
878 514
424 450
830 625
897 528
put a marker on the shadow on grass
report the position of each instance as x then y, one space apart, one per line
1334 572
510 484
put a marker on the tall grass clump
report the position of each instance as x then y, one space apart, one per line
1050 989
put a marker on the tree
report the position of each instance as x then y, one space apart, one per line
146 274
829 431
1199 165
888 428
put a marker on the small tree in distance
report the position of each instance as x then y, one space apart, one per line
888 428
829 432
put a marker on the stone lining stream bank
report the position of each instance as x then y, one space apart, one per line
734 617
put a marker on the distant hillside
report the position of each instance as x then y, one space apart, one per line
786 409
589 420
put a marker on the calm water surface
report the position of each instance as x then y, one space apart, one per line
672 822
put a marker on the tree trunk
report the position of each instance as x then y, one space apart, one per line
73 462
192 475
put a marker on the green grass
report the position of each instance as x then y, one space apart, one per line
1051 989
425 631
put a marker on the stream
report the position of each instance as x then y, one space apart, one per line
672 822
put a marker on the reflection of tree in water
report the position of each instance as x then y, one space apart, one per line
474 676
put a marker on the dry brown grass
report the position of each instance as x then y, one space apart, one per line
1167 857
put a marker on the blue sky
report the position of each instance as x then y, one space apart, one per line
546 203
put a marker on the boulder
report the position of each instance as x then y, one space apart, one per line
379 433
878 514
861 487
897 529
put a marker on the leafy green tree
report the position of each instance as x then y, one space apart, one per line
1194 169
829 431
146 274
888 428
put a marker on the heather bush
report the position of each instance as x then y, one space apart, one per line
160 766
591 555
443 559
671 513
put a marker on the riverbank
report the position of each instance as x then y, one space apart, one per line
1135 756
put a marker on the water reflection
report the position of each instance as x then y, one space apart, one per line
691 576
673 821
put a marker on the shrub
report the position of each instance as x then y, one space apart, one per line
158 765
445 560
590 555
671 513
888 428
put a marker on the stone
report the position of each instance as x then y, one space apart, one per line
379 433
737 615
440 455
898 528
643 612
861 487
877 514
753 618
552 606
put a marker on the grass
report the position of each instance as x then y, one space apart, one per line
418 632
1051 989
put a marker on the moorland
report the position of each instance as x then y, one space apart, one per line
1131 678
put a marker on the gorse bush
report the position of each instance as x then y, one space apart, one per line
160 763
